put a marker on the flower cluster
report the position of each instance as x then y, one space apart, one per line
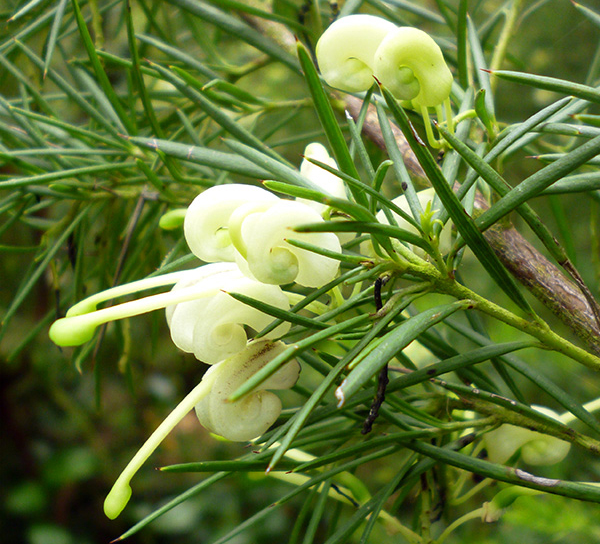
241 231
358 48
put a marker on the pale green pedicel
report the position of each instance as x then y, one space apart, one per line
119 495
241 420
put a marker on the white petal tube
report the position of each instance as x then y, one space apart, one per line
270 259
205 225
346 51
212 327
252 415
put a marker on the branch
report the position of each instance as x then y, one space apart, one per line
543 280
536 273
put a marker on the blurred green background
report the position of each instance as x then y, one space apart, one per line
69 423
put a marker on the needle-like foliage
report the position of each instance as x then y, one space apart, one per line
431 267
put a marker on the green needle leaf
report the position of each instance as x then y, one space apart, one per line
278 312
328 121
551 84
391 344
465 225
205 156
515 476
536 183
237 29
105 84
54 30
184 85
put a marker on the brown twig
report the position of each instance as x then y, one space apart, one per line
543 280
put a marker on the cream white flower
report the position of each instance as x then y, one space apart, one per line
242 420
346 51
211 326
412 66
327 182
253 232
324 180
203 318
358 48
265 254
253 414
206 221
536 448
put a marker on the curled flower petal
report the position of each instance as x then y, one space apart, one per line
270 259
206 221
327 182
412 66
212 326
536 448
324 180
346 51
253 414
